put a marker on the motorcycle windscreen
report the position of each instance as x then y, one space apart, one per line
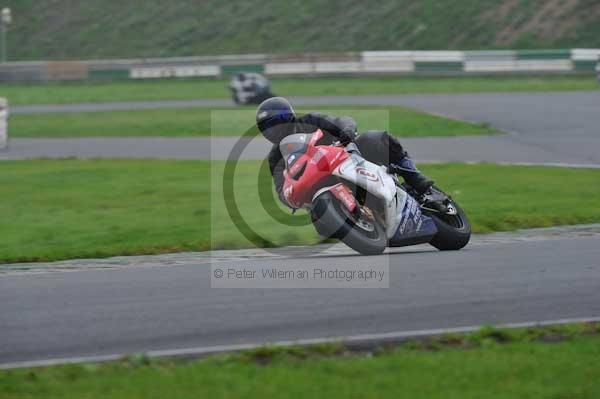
292 147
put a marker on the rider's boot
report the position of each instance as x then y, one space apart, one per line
421 183
411 175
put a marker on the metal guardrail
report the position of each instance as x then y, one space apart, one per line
366 62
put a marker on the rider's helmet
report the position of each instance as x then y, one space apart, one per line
274 117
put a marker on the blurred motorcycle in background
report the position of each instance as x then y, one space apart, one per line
250 88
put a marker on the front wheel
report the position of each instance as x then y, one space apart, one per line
364 233
454 229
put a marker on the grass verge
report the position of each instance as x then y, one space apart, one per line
63 209
197 122
490 363
153 90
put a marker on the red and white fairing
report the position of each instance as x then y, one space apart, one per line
375 179
310 167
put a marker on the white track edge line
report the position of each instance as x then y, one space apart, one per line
506 163
397 336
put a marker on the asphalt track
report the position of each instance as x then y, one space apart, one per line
106 307
547 128
99 308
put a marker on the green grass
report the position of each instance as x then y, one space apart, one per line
487 368
110 91
63 209
111 28
197 122
61 93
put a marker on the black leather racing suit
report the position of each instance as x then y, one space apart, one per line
376 146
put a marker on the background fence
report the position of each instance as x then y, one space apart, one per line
572 61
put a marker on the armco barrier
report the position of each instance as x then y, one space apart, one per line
518 66
585 60
290 68
338 67
575 61
543 54
174 71
492 55
387 62
22 71
438 61
65 70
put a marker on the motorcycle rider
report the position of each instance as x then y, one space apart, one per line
276 119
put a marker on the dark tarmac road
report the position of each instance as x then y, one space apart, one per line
126 309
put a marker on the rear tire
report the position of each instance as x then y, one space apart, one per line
331 222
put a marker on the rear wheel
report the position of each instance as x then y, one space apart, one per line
361 232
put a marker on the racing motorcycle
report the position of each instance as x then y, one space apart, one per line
250 88
362 204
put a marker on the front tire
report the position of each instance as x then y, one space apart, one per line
454 231
332 220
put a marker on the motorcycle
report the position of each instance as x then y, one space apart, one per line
249 88
363 205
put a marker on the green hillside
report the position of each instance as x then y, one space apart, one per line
72 29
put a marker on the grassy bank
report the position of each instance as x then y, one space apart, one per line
489 363
134 29
227 122
61 209
153 90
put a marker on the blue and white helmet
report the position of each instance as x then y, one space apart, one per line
273 118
